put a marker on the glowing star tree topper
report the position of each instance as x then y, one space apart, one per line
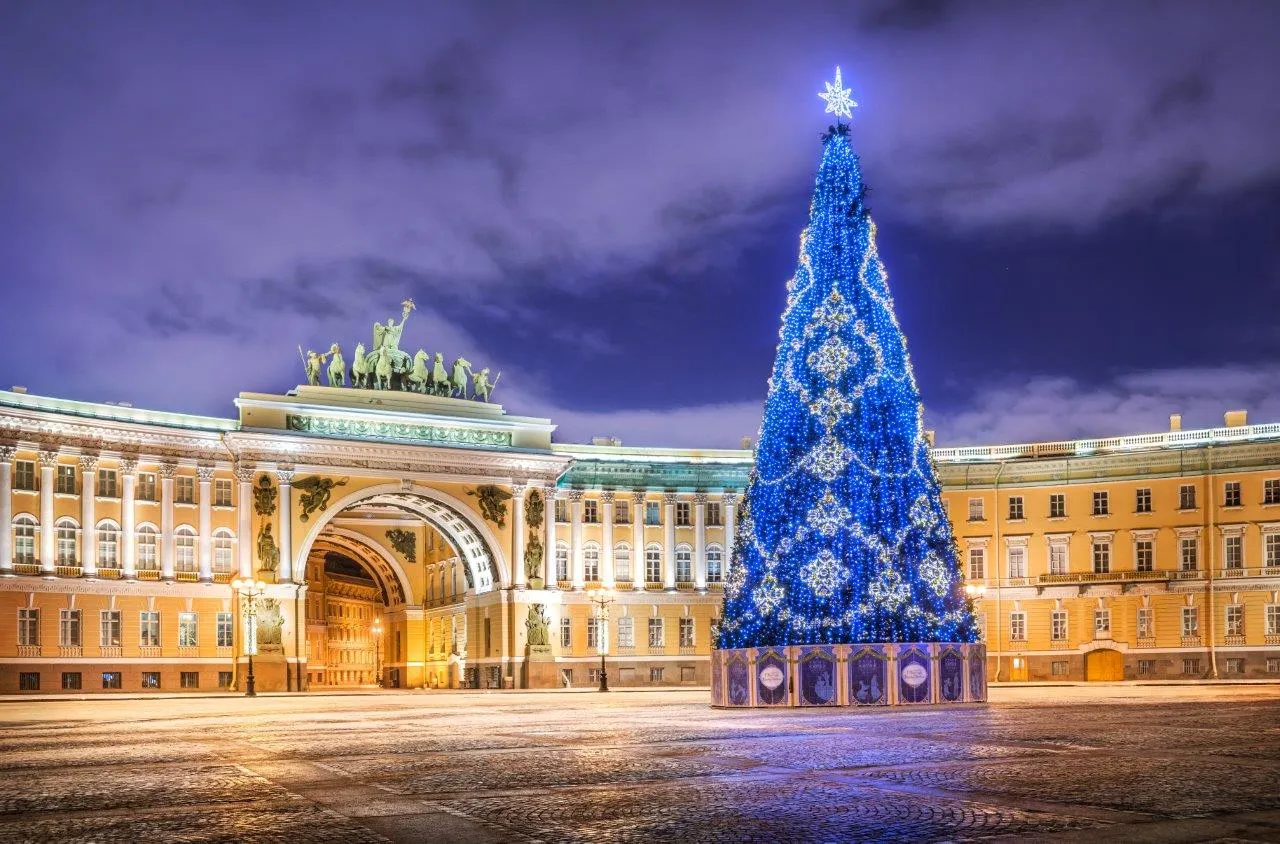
838 100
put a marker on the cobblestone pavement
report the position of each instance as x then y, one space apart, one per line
1109 763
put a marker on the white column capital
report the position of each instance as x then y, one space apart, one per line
129 466
638 496
285 475
168 470
7 453
576 495
245 472
607 496
670 498
88 462
205 474
48 458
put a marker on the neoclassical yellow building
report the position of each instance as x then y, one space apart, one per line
438 542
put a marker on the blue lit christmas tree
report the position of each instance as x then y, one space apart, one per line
842 537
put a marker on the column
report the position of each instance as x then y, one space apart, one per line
669 541
517 535
88 518
6 508
608 576
575 540
700 542
48 557
549 541
729 508
205 539
637 541
244 519
285 573
128 519
166 520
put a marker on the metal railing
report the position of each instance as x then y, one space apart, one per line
1104 577
1084 448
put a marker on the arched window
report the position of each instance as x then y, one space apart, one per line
653 563
184 549
715 564
622 562
591 562
67 532
108 544
684 564
148 543
223 549
24 538
562 561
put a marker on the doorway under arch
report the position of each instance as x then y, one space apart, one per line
1103 665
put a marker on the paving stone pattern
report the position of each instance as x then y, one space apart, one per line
1196 764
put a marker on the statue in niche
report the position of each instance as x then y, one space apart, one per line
493 503
315 494
536 625
270 623
481 387
268 552
458 380
360 368
534 509
337 367
533 560
419 377
264 497
404 541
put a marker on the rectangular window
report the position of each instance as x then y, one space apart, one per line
1101 556
683 518
566 633
1190 621
1146 667
977 563
189 679
488 636
150 679
107 487
110 679
1017 561
1235 665
1101 503
593 676
715 565
1018 626
1271 491
1102 624
562 510
1271 545
566 677
1015 507
1187 497
224 630
562 561
109 631
1273 620
1233 552
686 632
1190 666
1146 623
224 679
1058 558
1060 668
655 633
146 486
29 626
1144 555
222 492
1057 505
715 515
975 509
652 513
1235 620
591 564
184 489
24 474
187 629
149 629
655 675
684 565
622 563
1188 553
71 680
591 511
1142 500
653 564
29 681
1273 665
66 480
626 632
1058 626
593 633
69 628
621 511
1231 494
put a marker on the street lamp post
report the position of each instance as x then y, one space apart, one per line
250 592
602 598
377 649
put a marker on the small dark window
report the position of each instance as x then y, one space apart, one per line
71 680
110 679
29 681
150 679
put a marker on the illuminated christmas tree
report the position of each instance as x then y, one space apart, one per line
842 536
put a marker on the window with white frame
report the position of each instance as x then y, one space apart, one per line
591 562
1272 619
65 480
1057 505
69 628
593 633
975 509
977 563
562 561
1235 620
1146 623
1231 494
149 629
621 511
591 511
1017 561
715 514
1271 548
1101 556
188 629
66 530
1058 558
683 517
184 549
1190 621
224 631
1187 497
24 474
1015 507
1271 491
566 632
29 626
656 639
652 513
221 492
562 510
622 562
24 539
1102 623
1018 626
1142 500
146 486
684 564
715 564
1101 503
1188 553
1233 551
108 545
184 489
223 548
1058 625
626 632
107 487
148 545
1144 555
653 563
686 632
109 629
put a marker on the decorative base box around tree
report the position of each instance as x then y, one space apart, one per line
875 674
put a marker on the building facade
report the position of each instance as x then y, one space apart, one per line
432 542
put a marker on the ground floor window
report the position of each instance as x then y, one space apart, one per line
1060 668
1146 666
1190 666
1273 665
626 675
29 681
110 679
224 679
593 676
189 679
566 677
688 674
71 680
655 675
150 679
1235 665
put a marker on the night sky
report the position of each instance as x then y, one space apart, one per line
1078 203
